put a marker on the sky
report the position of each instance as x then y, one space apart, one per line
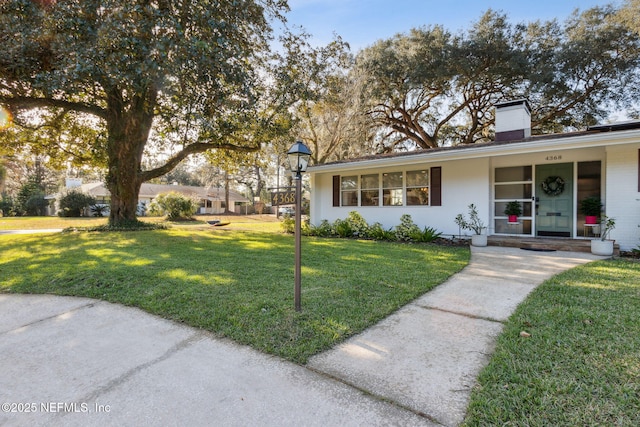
362 22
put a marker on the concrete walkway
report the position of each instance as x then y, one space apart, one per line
36 231
81 362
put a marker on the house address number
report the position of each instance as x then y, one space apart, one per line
553 157
283 198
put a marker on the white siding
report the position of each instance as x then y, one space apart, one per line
622 200
467 178
463 182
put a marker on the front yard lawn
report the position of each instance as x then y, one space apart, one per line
581 364
234 283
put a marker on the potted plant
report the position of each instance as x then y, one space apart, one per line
474 224
602 245
513 210
591 207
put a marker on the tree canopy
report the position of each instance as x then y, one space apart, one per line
96 80
431 87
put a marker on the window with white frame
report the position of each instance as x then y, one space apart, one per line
405 188
392 189
370 190
417 188
349 190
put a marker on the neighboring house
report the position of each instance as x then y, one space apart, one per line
212 200
549 175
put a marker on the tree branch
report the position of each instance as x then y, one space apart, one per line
198 147
27 102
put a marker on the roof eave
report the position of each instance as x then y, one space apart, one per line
529 145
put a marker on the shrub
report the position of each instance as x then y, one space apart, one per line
359 227
37 205
342 228
30 199
322 230
73 203
7 207
474 224
377 232
429 234
288 224
174 205
99 209
407 230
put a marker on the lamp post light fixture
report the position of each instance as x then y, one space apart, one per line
298 156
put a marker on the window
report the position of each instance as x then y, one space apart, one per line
411 188
370 190
392 189
417 188
513 184
349 190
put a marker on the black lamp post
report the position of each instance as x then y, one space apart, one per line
298 160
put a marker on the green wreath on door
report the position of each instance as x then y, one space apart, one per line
553 186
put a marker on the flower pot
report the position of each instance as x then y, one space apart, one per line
513 218
479 240
602 247
591 219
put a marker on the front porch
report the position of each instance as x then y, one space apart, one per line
545 243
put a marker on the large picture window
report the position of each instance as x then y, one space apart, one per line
417 188
369 190
349 190
405 188
392 189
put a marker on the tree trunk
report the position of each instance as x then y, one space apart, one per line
226 192
124 186
128 134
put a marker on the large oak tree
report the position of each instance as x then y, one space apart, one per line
97 80
430 87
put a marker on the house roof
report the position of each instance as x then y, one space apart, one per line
98 189
617 133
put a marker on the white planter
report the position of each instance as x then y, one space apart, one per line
479 240
602 247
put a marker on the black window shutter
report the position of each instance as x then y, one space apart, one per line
436 186
336 190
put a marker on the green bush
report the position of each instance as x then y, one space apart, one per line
99 210
7 207
355 226
342 228
322 230
407 230
288 224
30 199
174 205
359 227
429 234
37 205
378 232
73 203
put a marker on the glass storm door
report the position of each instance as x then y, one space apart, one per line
554 200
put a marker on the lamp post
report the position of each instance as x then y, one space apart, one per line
298 156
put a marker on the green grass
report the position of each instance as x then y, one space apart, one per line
41 222
267 223
581 365
235 283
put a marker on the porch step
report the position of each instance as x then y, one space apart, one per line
545 243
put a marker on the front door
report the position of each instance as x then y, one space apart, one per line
554 200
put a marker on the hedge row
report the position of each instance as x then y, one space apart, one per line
355 226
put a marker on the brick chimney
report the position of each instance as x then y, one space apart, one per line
513 120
